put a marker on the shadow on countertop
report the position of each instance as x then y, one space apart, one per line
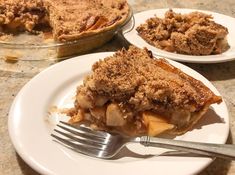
215 71
25 168
219 166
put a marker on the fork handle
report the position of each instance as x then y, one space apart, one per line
225 151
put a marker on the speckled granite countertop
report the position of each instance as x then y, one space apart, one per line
14 76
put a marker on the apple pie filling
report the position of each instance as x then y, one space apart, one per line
133 93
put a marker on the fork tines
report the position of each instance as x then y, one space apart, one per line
81 139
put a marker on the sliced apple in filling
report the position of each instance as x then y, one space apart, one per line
155 123
114 116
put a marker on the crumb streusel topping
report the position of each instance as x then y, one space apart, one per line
193 34
138 79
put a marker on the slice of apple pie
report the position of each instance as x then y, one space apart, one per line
133 93
194 33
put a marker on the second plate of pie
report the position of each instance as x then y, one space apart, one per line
185 35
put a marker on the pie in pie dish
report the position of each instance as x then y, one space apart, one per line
194 33
135 94
92 22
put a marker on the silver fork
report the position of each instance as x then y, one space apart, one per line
106 145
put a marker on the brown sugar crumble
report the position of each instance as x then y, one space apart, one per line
135 77
21 15
194 34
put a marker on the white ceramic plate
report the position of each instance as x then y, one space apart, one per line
131 35
30 127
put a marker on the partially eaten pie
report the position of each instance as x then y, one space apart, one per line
194 33
70 20
133 93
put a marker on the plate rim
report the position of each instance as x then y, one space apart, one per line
44 170
174 56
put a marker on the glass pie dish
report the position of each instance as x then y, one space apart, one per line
28 47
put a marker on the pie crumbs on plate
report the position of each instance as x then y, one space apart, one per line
194 33
133 93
